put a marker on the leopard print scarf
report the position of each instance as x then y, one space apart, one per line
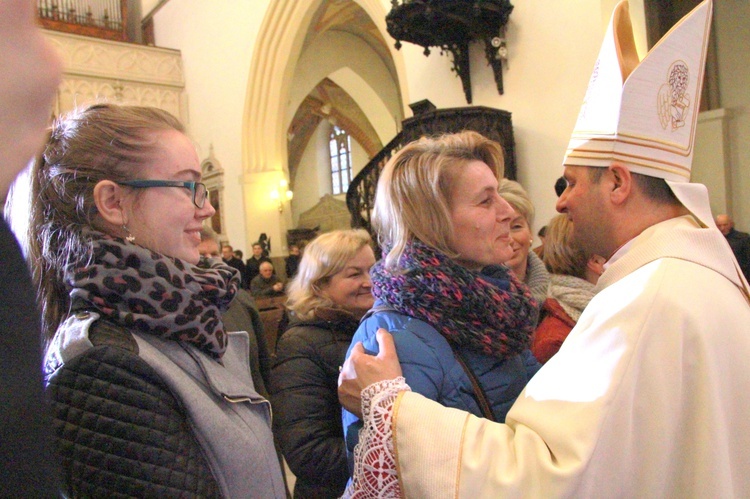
154 294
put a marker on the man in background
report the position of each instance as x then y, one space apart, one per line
266 284
242 315
227 254
252 266
738 241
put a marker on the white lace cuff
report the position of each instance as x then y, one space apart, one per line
374 457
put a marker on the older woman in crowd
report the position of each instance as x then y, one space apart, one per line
461 321
329 295
151 395
525 264
573 274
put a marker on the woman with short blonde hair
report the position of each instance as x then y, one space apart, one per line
328 296
524 263
413 199
326 257
461 321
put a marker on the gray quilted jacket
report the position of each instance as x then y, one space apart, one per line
138 416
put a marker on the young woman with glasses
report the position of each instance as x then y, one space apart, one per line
150 394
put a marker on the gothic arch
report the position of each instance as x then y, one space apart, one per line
277 49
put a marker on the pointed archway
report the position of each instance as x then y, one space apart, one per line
277 50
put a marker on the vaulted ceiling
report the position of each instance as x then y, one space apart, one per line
328 100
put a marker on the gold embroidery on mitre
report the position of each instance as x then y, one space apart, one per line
673 101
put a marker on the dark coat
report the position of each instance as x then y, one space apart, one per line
292 264
740 244
304 396
243 315
236 263
29 464
260 287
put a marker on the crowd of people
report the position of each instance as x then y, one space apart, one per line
609 361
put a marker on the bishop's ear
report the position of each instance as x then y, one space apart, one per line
622 183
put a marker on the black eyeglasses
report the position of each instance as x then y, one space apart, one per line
199 190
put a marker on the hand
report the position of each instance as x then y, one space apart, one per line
278 287
31 73
362 369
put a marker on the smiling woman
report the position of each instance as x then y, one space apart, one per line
524 263
329 295
461 321
130 319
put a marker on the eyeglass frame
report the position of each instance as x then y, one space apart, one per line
192 185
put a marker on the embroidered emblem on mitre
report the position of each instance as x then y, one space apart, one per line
674 99
643 114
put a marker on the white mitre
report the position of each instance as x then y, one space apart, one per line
643 114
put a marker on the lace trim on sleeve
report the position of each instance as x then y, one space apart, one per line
374 457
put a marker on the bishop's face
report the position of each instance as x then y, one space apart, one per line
584 201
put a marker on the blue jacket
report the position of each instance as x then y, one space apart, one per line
431 369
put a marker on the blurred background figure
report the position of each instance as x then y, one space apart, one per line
525 264
31 72
573 275
560 185
266 284
242 315
135 338
252 265
330 294
539 250
738 241
229 257
292 261
460 319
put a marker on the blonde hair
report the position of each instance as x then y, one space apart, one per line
518 198
561 254
324 257
413 195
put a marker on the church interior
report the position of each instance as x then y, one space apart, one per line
290 102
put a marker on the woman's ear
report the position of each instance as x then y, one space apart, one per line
108 197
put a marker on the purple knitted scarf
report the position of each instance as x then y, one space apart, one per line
462 306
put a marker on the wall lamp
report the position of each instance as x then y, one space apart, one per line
282 193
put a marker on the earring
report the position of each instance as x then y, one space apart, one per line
531 241
130 237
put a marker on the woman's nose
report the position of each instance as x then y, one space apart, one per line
504 211
206 212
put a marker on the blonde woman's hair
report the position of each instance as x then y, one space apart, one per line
324 256
561 254
518 198
413 195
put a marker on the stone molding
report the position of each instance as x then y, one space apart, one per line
98 70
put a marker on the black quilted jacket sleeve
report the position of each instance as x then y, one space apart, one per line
121 433
307 414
